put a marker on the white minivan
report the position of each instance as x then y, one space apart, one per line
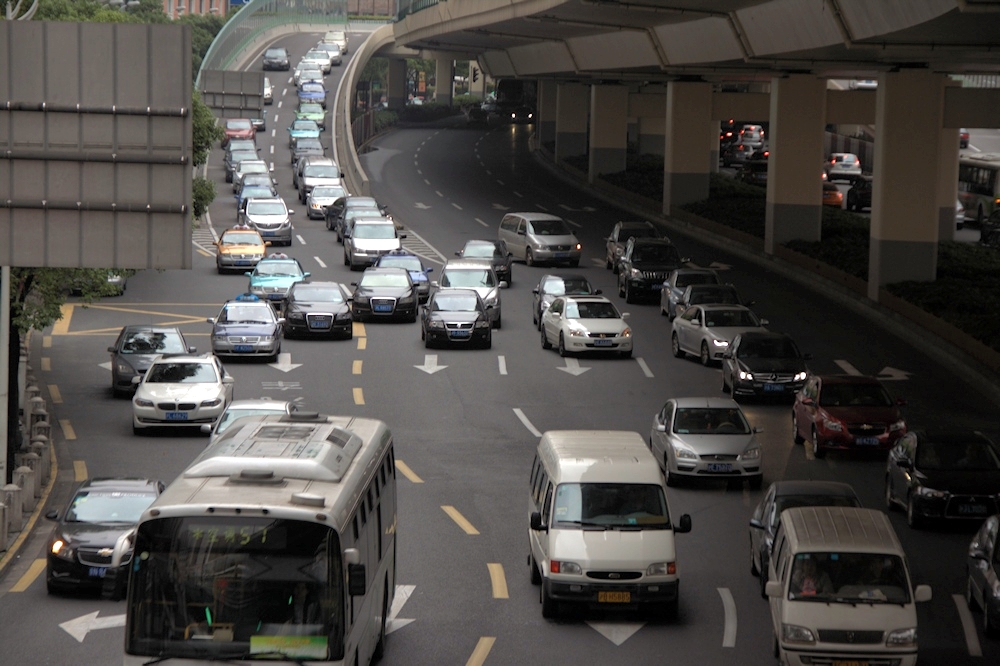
536 238
840 590
600 530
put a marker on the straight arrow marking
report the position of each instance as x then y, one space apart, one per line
393 623
430 365
284 362
847 367
616 632
573 367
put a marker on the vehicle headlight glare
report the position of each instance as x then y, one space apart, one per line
831 424
124 368
435 324
902 638
627 333
577 333
800 377
931 493
720 343
661 569
746 376
483 323
61 549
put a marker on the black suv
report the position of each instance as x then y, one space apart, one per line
644 266
276 58
860 194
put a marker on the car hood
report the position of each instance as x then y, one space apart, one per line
973 482
730 332
860 413
256 217
317 306
274 281
456 317
139 362
305 132
241 249
181 392
94 535
557 240
603 549
763 365
655 266
375 243
240 328
614 326
732 445
392 292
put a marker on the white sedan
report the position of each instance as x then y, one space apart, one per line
706 331
182 390
577 324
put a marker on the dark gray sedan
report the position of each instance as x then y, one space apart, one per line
136 347
552 286
495 252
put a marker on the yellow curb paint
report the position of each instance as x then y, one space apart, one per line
362 343
55 394
356 368
36 568
359 397
482 651
405 470
80 470
67 429
15 548
498 580
460 520
46 364
61 327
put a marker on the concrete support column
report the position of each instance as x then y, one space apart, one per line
396 94
713 146
545 125
794 207
650 111
686 154
572 104
947 183
444 80
905 192
608 130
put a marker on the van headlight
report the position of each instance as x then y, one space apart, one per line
792 633
661 569
902 638
558 567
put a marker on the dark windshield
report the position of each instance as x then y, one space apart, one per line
610 506
308 292
769 348
854 395
549 228
444 302
870 578
182 373
656 254
153 342
710 421
974 455
685 279
561 286
725 318
584 310
722 296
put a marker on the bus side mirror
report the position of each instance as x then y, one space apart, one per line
356 580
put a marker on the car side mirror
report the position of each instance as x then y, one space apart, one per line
598 292
922 593
503 284
757 429
756 524
307 274
210 320
534 291
354 284
429 270
248 274
402 235
626 315
535 522
458 254
192 350
685 260
661 427
281 320
136 379
685 525
228 379
112 350
764 322
434 283
52 515
291 212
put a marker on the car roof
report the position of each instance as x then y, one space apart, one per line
650 241
711 403
586 298
532 216
722 306
388 269
847 529
636 224
696 271
130 328
259 403
453 291
571 276
813 487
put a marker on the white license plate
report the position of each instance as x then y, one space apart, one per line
720 467
866 441
177 416
603 343
97 572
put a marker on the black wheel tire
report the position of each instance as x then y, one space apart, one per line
725 386
379 651
529 258
763 580
550 607
138 431
754 571
423 334
912 519
757 482
889 504
629 296
562 346
498 323
818 451
970 598
347 262
706 357
672 479
663 313
675 346
796 437
536 577
545 341
489 342
990 630
775 647
668 609
50 588
608 264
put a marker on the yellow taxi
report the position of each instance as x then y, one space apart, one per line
239 249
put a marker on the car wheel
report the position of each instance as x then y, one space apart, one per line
818 450
672 479
608 264
138 431
545 339
347 261
668 609
498 323
796 436
413 317
629 296
675 346
970 597
562 346
912 518
663 311
706 357
775 646
550 607
574 263
754 571
989 628
890 505
536 578
529 258
489 342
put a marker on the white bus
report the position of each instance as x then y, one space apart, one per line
276 545
979 184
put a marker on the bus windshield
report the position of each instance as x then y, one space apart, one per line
226 587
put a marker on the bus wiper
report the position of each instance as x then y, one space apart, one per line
253 656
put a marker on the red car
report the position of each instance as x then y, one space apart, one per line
239 128
846 413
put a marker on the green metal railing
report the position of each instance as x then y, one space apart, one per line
406 7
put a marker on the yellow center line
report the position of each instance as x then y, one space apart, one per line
498 580
359 397
67 429
460 520
483 647
80 470
46 364
61 327
36 568
362 343
407 472
356 368
46 341
359 329
55 394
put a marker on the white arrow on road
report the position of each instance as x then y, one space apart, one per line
616 632
421 206
893 374
497 206
430 365
719 266
79 627
847 367
585 209
106 365
284 362
393 623
572 367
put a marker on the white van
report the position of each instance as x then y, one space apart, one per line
539 237
601 532
840 590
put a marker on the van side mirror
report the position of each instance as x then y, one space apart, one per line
922 593
684 526
756 524
356 580
536 522
773 589
597 292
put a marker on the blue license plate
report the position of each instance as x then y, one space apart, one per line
269 233
720 467
561 255
382 308
972 509
242 349
275 297
866 441
603 343
242 263
177 416
319 324
773 388
97 572
460 334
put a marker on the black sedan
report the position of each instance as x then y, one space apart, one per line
783 495
136 347
982 588
495 252
455 316
551 287
763 363
384 293
101 511
949 475
318 309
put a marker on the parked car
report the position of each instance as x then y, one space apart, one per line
763 363
581 324
246 326
455 317
704 438
384 293
552 286
318 309
832 196
963 138
677 282
620 233
644 266
846 413
860 194
493 251
706 331
181 391
943 476
135 348
843 166
982 573
239 249
276 58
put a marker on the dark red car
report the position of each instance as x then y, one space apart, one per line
846 413
238 128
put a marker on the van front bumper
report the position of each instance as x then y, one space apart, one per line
611 595
819 656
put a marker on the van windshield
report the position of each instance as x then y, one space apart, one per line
851 578
610 506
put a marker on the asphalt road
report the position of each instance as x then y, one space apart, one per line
466 432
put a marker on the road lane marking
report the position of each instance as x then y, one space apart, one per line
46 364
575 224
358 329
79 470
481 222
61 327
498 580
645 368
729 607
362 343
359 397
518 194
438 192
301 240
847 367
503 364
616 632
405 470
36 568
968 626
356 368
320 262
527 424
55 394
67 429
403 593
457 207
482 651
460 520
499 182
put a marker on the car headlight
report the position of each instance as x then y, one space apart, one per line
746 376
219 338
296 316
483 323
342 316
720 343
684 453
793 633
577 333
314 205
634 272
902 638
565 567
211 403
931 493
61 549
124 368
578 247
832 424
142 402
362 300
799 377
627 333
406 300
434 323
752 452
491 299
661 569
898 425
267 338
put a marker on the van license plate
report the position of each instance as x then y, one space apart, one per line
614 597
849 662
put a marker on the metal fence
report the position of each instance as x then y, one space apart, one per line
406 7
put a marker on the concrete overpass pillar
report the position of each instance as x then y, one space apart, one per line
947 183
396 82
608 130
571 120
906 192
649 109
444 80
713 146
686 155
546 123
794 206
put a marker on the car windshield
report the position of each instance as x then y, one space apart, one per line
242 144
327 192
285 268
409 263
311 108
312 88
262 179
384 280
231 415
361 202
238 156
304 125
246 314
256 192
108 506
600 310
482 251
562 286
266 208
869 578
854 395
444 302
610 506
182 373
974 455
638 232
685 279
768 348
726 318
374 231
721 296
549 228
710 421
275 53
313 292
253 167
239 124
467 277
321 171
241 238
352 213
309 145
153 342
656 254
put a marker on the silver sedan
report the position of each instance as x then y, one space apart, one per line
706 331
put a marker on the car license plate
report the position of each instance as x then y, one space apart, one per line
177 416
319 324
561 255
459 334
720 467
269 233
614 597
242 263
972 509
604 342
275 297
97 572
773 388
866 441
382 308
242 349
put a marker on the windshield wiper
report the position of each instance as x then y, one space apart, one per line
586 523
246 656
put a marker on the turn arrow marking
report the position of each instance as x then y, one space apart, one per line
893 374
284 362
79 627
573 367
430 365
421 206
